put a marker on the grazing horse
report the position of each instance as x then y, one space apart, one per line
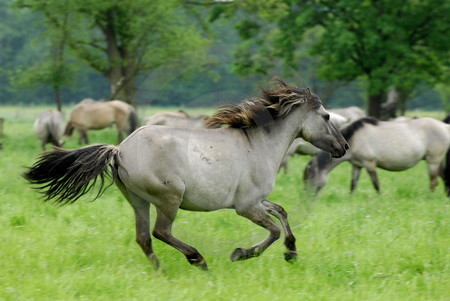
233 165
176 119
49 128
389 145
96 115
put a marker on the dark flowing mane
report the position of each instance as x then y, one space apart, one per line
272 104
348 131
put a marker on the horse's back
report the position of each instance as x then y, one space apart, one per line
120 106
399 145
49 118
435 133
175 120
351 113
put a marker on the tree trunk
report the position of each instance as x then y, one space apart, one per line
116 56
58 99
374 107
404 95
126 88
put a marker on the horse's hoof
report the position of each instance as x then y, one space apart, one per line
154 261
290 256
239 254
202 265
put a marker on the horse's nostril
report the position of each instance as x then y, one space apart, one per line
346 147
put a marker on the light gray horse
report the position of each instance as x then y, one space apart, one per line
181 119
389 145
49 128
352 113
232 166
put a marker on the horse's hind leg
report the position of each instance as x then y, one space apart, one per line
433 171
120 130
289 240
163 231
374 178
257 214
356 171
141 210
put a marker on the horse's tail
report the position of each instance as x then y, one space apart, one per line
132 121
68 131
446 173
65 175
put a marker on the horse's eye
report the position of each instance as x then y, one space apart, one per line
327 117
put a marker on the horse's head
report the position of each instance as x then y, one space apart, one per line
68 131
320 131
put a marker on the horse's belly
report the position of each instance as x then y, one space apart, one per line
396 166
202 201
399 163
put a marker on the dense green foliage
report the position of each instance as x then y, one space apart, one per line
384 43
119 39
392 246
181 53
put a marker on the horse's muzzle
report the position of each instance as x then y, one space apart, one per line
339 152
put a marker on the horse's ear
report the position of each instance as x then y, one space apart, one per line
279 81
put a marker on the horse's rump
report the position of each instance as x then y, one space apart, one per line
49 127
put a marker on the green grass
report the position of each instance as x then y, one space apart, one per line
365 246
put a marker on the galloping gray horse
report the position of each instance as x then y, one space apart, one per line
233 165
390 145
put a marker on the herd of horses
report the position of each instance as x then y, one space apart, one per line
228 160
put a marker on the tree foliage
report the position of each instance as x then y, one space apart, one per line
385 42
123 39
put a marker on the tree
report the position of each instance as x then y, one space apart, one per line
53 69
123 39
382 41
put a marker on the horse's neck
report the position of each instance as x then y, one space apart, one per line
273 139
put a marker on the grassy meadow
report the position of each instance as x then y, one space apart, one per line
365 246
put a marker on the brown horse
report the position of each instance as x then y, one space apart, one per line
97 115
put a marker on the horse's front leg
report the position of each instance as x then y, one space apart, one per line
83 136
289 239
257 214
